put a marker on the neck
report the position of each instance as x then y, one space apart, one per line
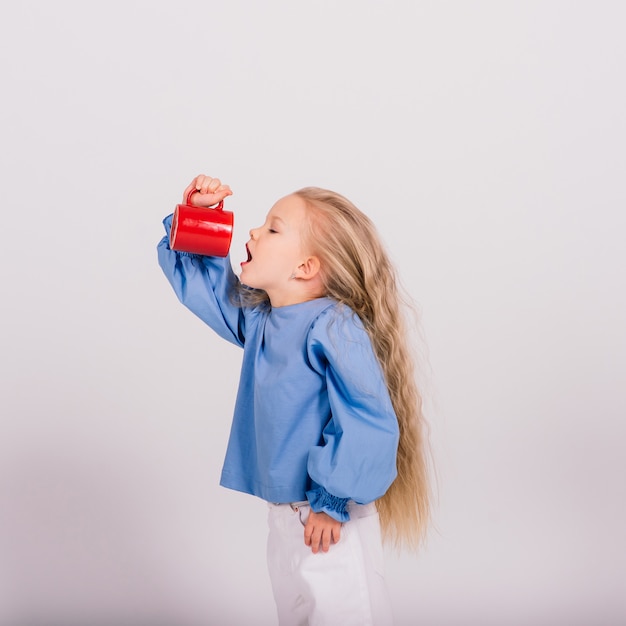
299 291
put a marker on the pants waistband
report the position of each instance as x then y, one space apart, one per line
295 506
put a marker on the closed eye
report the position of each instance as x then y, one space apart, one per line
271 230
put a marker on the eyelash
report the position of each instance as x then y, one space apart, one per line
271 230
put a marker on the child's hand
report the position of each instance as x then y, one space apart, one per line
210 191
321 530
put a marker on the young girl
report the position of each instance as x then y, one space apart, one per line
327 425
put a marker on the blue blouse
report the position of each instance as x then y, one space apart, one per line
313 418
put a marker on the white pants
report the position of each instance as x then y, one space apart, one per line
344 586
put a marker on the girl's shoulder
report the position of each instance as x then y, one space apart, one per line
338 339
335 311
337 322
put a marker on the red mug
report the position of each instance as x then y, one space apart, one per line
200 230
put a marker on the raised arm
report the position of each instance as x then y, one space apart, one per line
205 285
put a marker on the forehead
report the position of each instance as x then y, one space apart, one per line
291 210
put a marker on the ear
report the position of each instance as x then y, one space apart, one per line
308 269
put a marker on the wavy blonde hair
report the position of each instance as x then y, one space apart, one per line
357 272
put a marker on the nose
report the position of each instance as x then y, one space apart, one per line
253 233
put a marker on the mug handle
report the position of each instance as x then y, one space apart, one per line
219 206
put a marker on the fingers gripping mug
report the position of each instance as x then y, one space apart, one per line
200 230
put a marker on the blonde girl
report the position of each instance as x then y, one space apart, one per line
327 427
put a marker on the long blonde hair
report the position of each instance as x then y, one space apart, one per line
357 272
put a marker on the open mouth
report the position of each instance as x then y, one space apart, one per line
249 255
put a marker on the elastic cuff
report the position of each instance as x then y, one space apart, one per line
323 502
167 223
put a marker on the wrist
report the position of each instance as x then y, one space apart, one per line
323 502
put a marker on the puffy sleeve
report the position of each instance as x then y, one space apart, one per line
356 457
204 285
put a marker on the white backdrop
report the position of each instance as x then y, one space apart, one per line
486 139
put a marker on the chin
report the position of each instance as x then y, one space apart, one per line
246 283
